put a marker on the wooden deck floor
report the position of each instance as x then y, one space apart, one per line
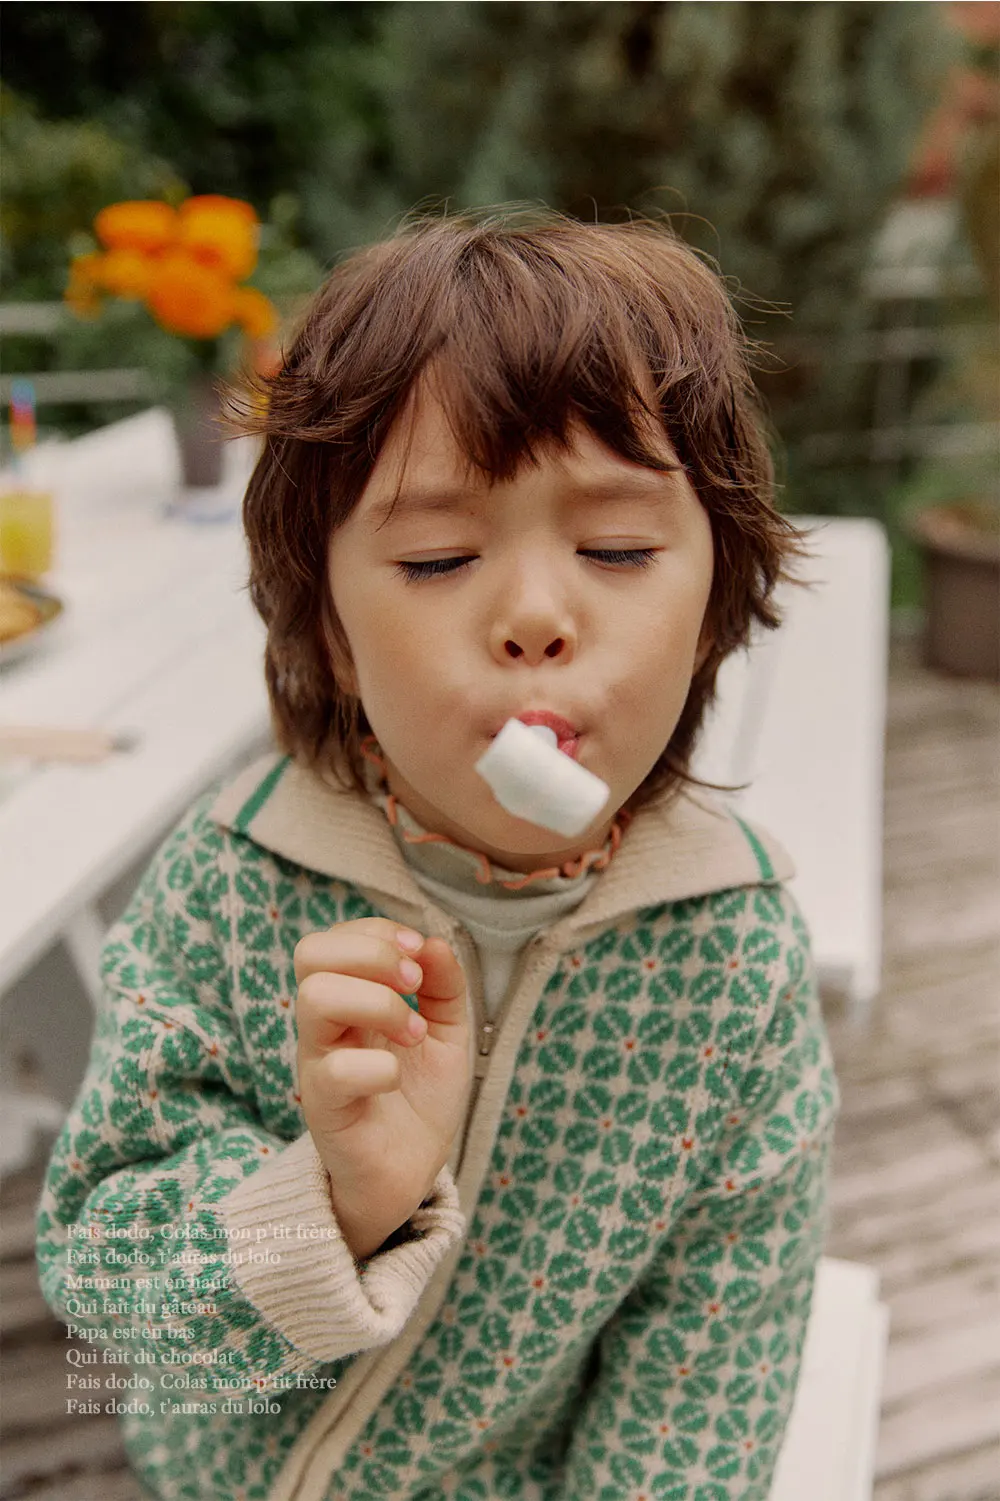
917 1173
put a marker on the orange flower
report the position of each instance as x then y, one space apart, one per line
126 273
221 233
255 313
143 225
190 299
217 202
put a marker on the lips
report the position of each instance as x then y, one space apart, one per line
568 735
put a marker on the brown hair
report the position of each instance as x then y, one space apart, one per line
539 322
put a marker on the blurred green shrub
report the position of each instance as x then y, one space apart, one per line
57 174
776 134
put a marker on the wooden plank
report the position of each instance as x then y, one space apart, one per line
36 1385
17 1231
909 1136
21 1188
946 1299
948 1419
932 1357
935 1229
84 1446
119 1485
956 1077
22 1306
971 1476
907 1180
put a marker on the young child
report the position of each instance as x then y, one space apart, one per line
424 1152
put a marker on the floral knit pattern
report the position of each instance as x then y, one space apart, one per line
626 1318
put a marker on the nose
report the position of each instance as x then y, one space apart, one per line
533 622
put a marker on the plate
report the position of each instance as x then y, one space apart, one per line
23 595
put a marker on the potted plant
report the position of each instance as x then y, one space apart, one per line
188 268
953 510
958 538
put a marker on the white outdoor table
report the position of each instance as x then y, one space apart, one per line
158 641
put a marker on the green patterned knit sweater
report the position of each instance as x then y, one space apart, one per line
606 1296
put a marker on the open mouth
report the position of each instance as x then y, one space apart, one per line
567 736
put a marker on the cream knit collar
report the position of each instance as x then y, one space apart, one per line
686 846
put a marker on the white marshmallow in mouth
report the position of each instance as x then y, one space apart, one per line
531 778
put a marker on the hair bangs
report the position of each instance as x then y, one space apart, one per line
529 355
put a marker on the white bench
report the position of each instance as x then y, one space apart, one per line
829 1448
801 717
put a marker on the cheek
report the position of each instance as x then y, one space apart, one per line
386 653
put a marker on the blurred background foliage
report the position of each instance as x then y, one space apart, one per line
775 135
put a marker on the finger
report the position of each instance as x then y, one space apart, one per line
339 1078
364 951
329 1006
348 944
441 996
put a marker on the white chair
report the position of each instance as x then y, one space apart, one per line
829 1448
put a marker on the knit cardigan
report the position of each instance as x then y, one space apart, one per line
606 1294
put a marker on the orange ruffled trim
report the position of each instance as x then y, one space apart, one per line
597 859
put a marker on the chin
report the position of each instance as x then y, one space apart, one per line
523 846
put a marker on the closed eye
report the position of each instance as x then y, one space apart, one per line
614 557
619 557
431 566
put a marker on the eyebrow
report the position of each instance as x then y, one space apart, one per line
420 500
431 499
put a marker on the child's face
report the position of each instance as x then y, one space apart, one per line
473 604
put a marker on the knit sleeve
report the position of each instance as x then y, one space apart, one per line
696 1372
171 1218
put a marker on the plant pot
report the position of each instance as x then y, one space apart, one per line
198 426
961 563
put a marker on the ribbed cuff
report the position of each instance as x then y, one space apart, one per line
291 1261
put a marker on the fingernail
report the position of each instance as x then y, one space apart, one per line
416 1026
410 973
407 939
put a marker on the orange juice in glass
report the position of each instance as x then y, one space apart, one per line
26 532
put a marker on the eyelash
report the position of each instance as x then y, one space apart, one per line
619 557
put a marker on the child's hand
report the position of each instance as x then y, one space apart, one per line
382 1100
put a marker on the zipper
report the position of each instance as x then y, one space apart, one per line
484 1030
487 1034
487 1030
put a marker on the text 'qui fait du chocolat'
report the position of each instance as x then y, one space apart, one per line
129 1315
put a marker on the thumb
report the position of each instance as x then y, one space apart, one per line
441 996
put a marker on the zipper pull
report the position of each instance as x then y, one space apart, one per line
486 1039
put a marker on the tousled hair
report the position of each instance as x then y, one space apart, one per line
537 322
